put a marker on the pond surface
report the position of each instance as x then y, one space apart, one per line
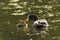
11 11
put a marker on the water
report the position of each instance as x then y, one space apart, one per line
11 11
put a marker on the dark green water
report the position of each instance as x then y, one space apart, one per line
12 11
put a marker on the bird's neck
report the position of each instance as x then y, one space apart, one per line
25 22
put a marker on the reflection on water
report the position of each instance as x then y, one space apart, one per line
13 0
19 13
48 9
50 14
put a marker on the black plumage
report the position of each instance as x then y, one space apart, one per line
32 17
38 26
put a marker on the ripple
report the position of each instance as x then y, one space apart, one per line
23 13
59 38
48 6
50 15
56 20
59 13
13 0
54 37
40 0
15 4
8 22
12 32
40 11
12 4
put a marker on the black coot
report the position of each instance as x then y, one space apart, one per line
32 17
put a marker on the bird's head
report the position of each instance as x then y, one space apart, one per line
32 17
